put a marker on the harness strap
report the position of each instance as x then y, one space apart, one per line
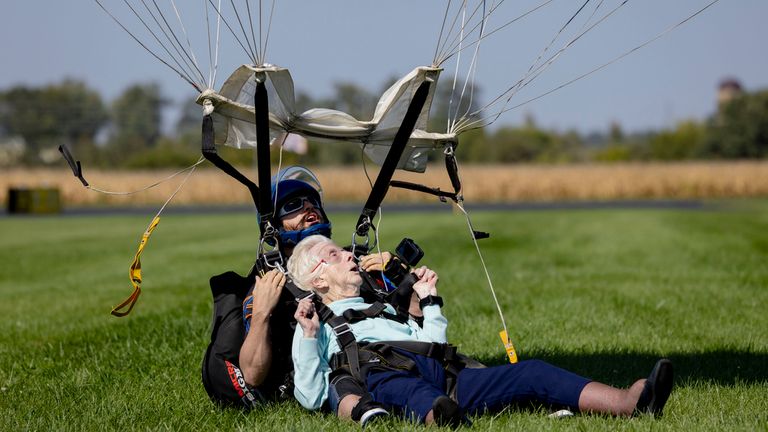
348 344
377 309
425 189
380 187
261 107
453 171
401 297
209 152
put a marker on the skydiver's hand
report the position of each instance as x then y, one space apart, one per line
427 283
375 261
307 317
266 292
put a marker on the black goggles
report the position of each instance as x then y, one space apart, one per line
296 204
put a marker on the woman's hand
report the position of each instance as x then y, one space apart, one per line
427 283
266 292
375 261
307 317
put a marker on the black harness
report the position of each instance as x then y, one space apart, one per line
358 359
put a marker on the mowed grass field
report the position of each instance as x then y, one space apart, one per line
601 292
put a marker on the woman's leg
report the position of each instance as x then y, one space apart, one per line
527 381
409 393
537 381
600 398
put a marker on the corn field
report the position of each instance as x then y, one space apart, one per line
482 183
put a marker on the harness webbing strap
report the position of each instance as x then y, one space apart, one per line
377 309
401 297
261 106
425 189
452 167
453 171
379 190
347 343
209 152
134 273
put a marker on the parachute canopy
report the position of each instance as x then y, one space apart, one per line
234 112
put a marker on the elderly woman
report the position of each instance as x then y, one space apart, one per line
320 266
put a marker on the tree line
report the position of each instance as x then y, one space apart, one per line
128 132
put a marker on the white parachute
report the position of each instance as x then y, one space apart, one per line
465 26
159 28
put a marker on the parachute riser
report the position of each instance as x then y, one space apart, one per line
381 186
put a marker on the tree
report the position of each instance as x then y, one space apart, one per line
137 118
740 128
683 142
66 113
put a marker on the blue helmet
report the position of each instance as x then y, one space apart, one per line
285 189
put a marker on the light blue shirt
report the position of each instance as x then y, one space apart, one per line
312 355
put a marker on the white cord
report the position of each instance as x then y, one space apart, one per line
189 168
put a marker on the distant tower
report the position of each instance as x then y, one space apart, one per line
728 90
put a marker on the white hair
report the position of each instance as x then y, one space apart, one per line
302 262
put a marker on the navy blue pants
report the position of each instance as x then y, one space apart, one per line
489 389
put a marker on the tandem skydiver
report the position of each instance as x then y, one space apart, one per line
265 356
411 369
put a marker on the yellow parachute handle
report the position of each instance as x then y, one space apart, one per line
134 273
511 353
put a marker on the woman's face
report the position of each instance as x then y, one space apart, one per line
338 275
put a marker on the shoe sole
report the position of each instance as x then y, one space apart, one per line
657 389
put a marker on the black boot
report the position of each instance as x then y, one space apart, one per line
446 412
656 390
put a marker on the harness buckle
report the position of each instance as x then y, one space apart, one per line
343 331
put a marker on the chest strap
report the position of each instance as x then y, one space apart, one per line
376 310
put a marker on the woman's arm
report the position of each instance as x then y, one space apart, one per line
311 369
435 324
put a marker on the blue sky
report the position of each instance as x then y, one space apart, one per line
366 42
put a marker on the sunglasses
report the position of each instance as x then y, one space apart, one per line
296 204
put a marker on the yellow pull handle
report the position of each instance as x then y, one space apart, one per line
134 273
511 353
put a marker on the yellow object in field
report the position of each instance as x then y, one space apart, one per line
135 273
511 353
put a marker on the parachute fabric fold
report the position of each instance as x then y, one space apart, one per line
234 115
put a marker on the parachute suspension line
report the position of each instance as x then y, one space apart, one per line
482 262
178 69
440 35
213 58
183 182
555 37
455 47
162 29
536 69
269 30
178 47
472 74
376 228
190 168
186 36
229 27
134 272
451 118
535 73
258 60
378 211
365 166
482 121
458 38
254 56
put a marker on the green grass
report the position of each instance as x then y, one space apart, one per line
601 292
